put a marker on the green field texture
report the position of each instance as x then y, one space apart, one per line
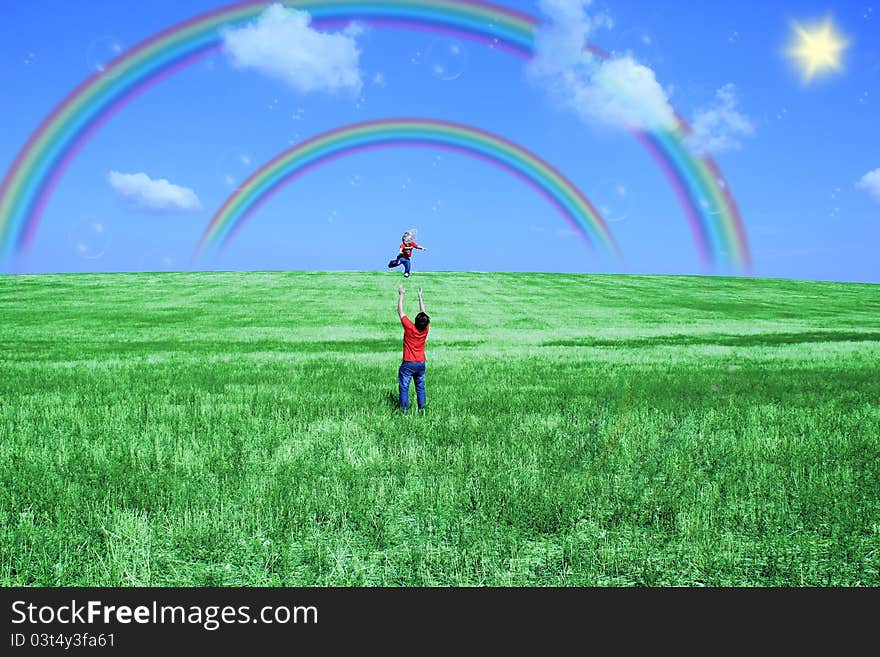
241 429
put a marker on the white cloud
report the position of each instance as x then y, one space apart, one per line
622 90
617 90
153 195
718 128
870 183
282 45
559 41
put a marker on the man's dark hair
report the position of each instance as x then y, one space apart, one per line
422 321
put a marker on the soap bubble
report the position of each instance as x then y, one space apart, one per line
615 201
101 52
494 41
233 169
446 58
90 238
157 260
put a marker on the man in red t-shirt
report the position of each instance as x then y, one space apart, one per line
413 365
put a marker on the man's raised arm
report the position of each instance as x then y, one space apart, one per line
400 293
421 302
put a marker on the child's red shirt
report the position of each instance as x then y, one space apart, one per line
406 249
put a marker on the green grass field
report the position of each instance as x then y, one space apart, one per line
240 429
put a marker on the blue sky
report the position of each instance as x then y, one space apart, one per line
795 172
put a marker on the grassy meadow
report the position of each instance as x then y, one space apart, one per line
241 429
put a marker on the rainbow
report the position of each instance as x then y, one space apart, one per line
28 184
295 161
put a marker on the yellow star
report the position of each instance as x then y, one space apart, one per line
818 49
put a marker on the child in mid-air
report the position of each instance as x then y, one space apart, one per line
405 252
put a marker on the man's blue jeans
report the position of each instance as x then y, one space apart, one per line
411 370
400 260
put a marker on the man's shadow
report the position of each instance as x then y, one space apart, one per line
391 400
